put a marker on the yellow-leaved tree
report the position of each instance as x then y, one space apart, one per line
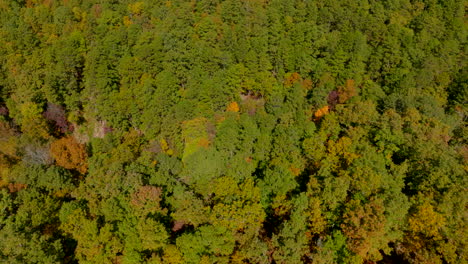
32 122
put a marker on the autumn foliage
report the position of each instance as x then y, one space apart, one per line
56 114
146 200
321 112
233 131
291 78
347 91
364 225
70 154
233 107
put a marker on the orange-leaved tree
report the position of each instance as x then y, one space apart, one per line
69 153
233 107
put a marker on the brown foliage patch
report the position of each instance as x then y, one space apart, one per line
146 200
15 187
178 225
347 91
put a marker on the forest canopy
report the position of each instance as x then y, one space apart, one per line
233 131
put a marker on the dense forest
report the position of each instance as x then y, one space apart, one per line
233 131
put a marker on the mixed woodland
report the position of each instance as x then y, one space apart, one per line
233 131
